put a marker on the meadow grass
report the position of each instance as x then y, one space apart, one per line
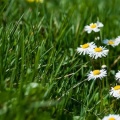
38 43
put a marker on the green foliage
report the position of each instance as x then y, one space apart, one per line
38 44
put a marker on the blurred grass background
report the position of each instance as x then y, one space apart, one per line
38 44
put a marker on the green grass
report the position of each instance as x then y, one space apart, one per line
38 43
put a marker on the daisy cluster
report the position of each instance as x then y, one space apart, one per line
97 52
92 50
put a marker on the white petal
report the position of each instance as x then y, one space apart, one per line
99 24
96 30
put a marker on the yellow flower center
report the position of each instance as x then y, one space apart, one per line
111 118
110 42
117 87
93 25
96 72
98 49
85 46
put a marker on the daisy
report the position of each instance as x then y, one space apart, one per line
41 1
112 117
97 74
93 27
111 42
98 52
115 91
85 48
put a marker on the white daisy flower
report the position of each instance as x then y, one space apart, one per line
85 48
115 91
98 52
93 27
111 42
97 74
112 117
117 40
